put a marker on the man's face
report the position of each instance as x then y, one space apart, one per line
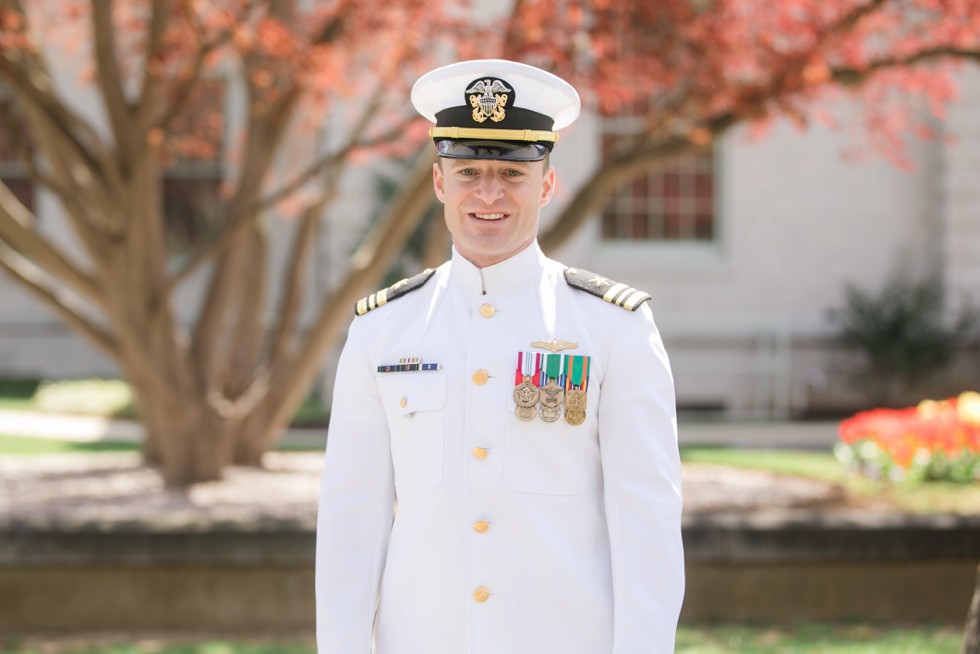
492 207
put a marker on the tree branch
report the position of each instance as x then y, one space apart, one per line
17 233
245 344
109 79
280 344
151 80
293 287
243 216
618 169
64 304
853 17
265 132
622 167
34 86
290 377
324 163
848 76
80 160
189 78
15 133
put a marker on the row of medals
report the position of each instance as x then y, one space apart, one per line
551 395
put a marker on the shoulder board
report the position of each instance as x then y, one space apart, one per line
396 290
621 295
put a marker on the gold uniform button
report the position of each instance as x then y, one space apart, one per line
481 526
480 377
487 310
479 453
481 594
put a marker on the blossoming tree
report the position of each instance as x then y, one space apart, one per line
216 386
702 67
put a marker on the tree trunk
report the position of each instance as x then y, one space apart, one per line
193 443
971 634
255 438
194 448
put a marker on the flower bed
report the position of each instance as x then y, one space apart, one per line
936 440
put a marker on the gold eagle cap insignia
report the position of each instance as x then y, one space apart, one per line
488 97
554 345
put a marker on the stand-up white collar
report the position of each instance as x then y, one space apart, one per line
520 268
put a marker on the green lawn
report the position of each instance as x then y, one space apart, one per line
818 639
14 444
158 646
919 498
16 403
111 398
697 639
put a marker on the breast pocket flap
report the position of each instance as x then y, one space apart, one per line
408 393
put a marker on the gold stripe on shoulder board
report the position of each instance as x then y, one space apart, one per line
622 295
634 298
386 295
613 291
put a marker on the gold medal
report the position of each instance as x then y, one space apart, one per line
575 403
525 392
576 400
526 397
552 395
550 413
526 413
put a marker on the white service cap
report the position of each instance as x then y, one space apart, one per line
495 109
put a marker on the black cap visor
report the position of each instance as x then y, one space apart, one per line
502 150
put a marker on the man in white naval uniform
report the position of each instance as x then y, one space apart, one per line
501 472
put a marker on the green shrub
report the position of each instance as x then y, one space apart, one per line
900 336
18 388
113 398
94 397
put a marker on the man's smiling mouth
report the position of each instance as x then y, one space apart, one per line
488 216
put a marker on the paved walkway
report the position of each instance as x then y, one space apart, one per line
87 429
90 429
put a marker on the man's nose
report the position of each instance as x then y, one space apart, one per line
489 189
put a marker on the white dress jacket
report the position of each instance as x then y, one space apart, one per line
449 526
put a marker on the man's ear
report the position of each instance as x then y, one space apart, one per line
437 180
548 186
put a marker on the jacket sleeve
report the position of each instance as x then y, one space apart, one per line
355 508
642 488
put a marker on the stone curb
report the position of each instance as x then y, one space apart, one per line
830 536
767 536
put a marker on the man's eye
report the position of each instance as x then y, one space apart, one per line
513 173
467 172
